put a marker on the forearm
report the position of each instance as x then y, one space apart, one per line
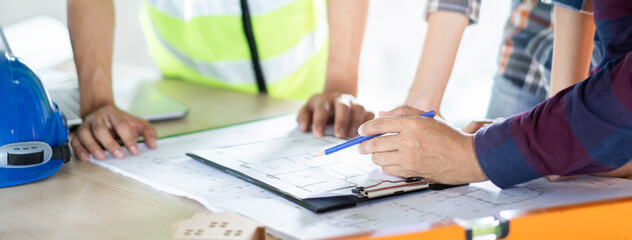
91 27
581 130
442 41
347 20
572 48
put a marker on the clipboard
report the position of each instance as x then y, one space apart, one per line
380 190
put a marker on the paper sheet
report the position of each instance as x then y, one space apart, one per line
169 170
291 166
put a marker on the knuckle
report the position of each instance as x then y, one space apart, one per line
362 148
151 132
358 109
93 148
302 115
375 126
100 130
322 109
343 105
113 146
341 118
75 145
122 125
376 159
375 143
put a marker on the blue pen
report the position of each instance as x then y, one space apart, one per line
361 139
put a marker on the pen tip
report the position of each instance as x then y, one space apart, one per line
320 154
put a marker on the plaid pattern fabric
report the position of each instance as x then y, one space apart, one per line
526 51
584 129
525 56
469 8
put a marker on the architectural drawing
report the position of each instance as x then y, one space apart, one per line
169 170
291 166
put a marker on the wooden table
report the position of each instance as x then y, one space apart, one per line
85 201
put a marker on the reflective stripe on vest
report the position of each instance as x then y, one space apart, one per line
187 9
207 45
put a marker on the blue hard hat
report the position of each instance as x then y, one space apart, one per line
33 132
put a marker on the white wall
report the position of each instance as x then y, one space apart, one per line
393 40
128 39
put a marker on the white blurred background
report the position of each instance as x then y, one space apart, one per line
392 47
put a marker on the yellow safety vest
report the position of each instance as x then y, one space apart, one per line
274 46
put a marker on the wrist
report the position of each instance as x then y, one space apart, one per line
345 84
89 106
422 103
475 171
95 92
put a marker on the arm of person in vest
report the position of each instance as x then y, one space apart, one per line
91 26
347 20
447 20
583 129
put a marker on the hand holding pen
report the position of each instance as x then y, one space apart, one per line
362 139
423 146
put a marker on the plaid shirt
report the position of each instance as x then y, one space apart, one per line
584 129
527 48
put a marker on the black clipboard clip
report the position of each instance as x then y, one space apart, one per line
390 187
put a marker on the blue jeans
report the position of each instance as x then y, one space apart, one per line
508 99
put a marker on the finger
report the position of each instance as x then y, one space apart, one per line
381 126
384 159
87 139
558 178
500 119
474 126
304 118
102 134
368 117
321 115
341 119
379 144
401 111
125 133
624 171
79 149
358 116
471 127
149 135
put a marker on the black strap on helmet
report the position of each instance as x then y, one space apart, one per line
62 152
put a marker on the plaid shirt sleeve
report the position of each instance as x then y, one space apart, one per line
584 129
469 8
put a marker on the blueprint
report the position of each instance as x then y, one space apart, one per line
168 169
291 166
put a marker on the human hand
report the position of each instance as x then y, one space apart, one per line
474 126
347 114
101 127
423 147
624 171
